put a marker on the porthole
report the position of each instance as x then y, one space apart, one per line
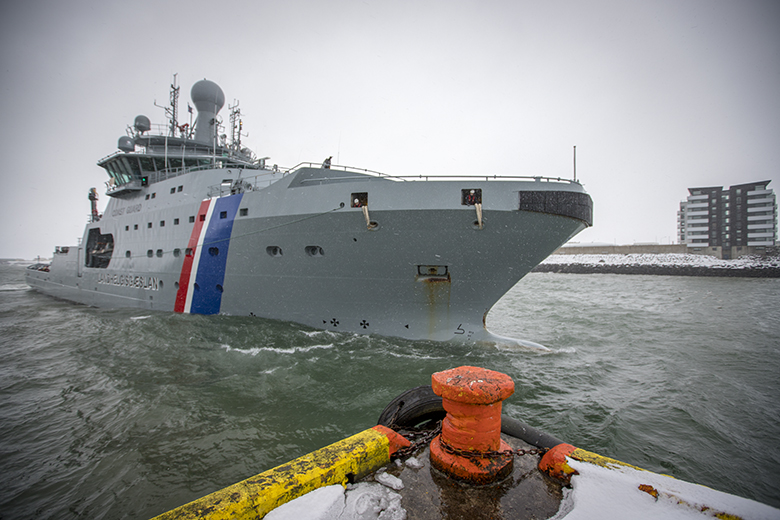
314 251
188 251
159 253
150 253
177 252
274 250
127 254
214 251
219 288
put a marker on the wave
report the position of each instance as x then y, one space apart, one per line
14 287
292 350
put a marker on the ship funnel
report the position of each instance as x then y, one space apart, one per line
208 98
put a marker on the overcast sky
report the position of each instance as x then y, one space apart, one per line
658 96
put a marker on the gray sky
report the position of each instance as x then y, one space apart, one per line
657 96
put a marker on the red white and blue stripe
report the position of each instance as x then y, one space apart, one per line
203 271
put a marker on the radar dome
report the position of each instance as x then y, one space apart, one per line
126 144
142 124
208 98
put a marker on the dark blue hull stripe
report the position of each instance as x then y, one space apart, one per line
207 295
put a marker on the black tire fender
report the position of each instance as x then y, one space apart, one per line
412 408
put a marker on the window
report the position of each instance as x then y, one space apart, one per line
175 222
162 223
147 196
243 212
150 253
154 195
135 226
173 190
181 188
127 228
149 225
177 252
127 254
192 219
203 217
223 214
159 253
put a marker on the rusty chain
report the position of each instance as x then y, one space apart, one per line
419 438
491 454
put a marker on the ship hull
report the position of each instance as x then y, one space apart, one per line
424 266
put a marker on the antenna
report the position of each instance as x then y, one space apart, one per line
235 126
575 163
172 111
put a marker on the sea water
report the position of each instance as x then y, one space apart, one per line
127 414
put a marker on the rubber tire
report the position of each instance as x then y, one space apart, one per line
412 408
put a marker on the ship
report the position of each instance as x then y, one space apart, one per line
197 223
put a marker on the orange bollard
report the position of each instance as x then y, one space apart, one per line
472 398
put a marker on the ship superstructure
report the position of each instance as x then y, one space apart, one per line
196 223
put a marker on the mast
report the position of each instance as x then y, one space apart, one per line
575 163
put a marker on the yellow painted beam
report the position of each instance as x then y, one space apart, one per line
349 459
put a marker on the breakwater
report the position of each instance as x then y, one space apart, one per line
669 264
667 270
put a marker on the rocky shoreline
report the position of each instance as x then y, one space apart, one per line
667 270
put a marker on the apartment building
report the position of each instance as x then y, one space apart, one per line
728 222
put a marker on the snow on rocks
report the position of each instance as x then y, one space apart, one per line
668 259
670 264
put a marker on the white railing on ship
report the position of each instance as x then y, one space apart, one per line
352 169
243 184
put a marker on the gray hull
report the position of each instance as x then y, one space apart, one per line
292 247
